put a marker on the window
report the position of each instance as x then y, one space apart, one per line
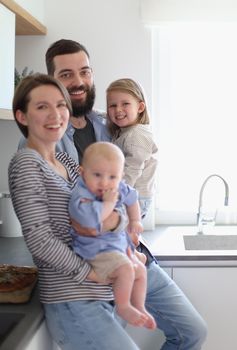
194 108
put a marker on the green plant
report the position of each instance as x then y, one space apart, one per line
20 76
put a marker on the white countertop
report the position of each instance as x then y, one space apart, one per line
167 245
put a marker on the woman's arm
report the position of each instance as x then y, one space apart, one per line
29 188
116 221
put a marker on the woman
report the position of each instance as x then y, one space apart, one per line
78 310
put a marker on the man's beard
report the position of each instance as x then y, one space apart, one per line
80 109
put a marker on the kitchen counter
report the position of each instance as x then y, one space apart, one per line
14 251
165 242
167 245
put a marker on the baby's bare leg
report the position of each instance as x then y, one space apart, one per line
123 278
138 294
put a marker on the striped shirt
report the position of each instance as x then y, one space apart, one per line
40 198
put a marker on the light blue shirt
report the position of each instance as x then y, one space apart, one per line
89 215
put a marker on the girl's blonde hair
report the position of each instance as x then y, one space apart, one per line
131 87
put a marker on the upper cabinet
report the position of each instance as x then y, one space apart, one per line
21 17
7 56
29 16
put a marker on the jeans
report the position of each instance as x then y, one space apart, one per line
144 204
86 325
92 325
183 327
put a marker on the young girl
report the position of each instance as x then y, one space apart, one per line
128 122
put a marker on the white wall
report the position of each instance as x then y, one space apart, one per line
35 7
111 30
113 33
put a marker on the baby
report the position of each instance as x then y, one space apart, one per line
98 192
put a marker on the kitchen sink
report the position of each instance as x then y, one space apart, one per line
8 321
210 242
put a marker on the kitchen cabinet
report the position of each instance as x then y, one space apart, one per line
7 57
41 339
26 23
144 338
15 20
213 291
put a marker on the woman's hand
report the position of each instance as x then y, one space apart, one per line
93 277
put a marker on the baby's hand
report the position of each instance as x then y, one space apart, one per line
135 238
135 226
110 195
134 229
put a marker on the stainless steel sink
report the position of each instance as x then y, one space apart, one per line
210 242
8 321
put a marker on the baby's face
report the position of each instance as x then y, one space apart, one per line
102 175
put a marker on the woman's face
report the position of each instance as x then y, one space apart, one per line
47 115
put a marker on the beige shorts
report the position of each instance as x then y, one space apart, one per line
106 263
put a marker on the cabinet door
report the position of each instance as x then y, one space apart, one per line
213 291
144 338
41 340
7 56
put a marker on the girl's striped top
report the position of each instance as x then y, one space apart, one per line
40 198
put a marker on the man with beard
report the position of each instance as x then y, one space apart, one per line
86 126
68 61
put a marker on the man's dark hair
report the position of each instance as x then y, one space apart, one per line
62 47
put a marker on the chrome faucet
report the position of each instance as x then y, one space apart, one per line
200 219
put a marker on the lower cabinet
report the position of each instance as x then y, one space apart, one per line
41 340
213 291
144 338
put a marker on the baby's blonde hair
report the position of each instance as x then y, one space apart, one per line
106 150
131 87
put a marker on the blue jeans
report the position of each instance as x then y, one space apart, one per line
92 325
86 325
145 204
183 327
